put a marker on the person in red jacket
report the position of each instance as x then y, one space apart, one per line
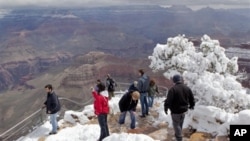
101 108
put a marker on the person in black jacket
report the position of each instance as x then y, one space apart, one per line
179 99
110 84
128 103
133 86
52 105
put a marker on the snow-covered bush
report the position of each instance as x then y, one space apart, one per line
206 70
211 75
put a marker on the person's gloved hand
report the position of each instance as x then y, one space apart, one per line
92 88
191 108
43 107
166 112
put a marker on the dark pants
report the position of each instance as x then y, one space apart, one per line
144 104
102 119
177 124
111 94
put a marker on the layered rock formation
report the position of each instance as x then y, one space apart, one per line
18 72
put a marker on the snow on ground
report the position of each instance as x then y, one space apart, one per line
203 118
221 100
82 131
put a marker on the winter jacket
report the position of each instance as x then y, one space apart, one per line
101 102
52 103
179 99
126 103
143 83
110 84
153 90
132 87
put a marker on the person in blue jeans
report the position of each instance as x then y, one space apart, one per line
101 109
143 86
128 103
152 91
52 105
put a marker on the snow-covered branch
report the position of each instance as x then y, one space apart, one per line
206 69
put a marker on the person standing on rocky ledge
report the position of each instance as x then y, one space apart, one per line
101 109
143 85
152 91
110 84
179 99
52 105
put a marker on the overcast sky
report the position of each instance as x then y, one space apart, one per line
82 3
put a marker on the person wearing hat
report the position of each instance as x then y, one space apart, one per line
180 97
128 103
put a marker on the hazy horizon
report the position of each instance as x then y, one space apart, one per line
101 3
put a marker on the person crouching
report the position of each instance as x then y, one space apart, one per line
128 103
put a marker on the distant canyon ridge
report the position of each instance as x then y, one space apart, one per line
36 39
72 48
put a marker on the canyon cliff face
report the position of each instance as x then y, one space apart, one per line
72 81
18 72
72 48
96 65
33 40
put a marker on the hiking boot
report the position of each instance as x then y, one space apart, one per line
52 133
142 116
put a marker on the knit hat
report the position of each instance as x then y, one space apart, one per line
135 95
177 78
